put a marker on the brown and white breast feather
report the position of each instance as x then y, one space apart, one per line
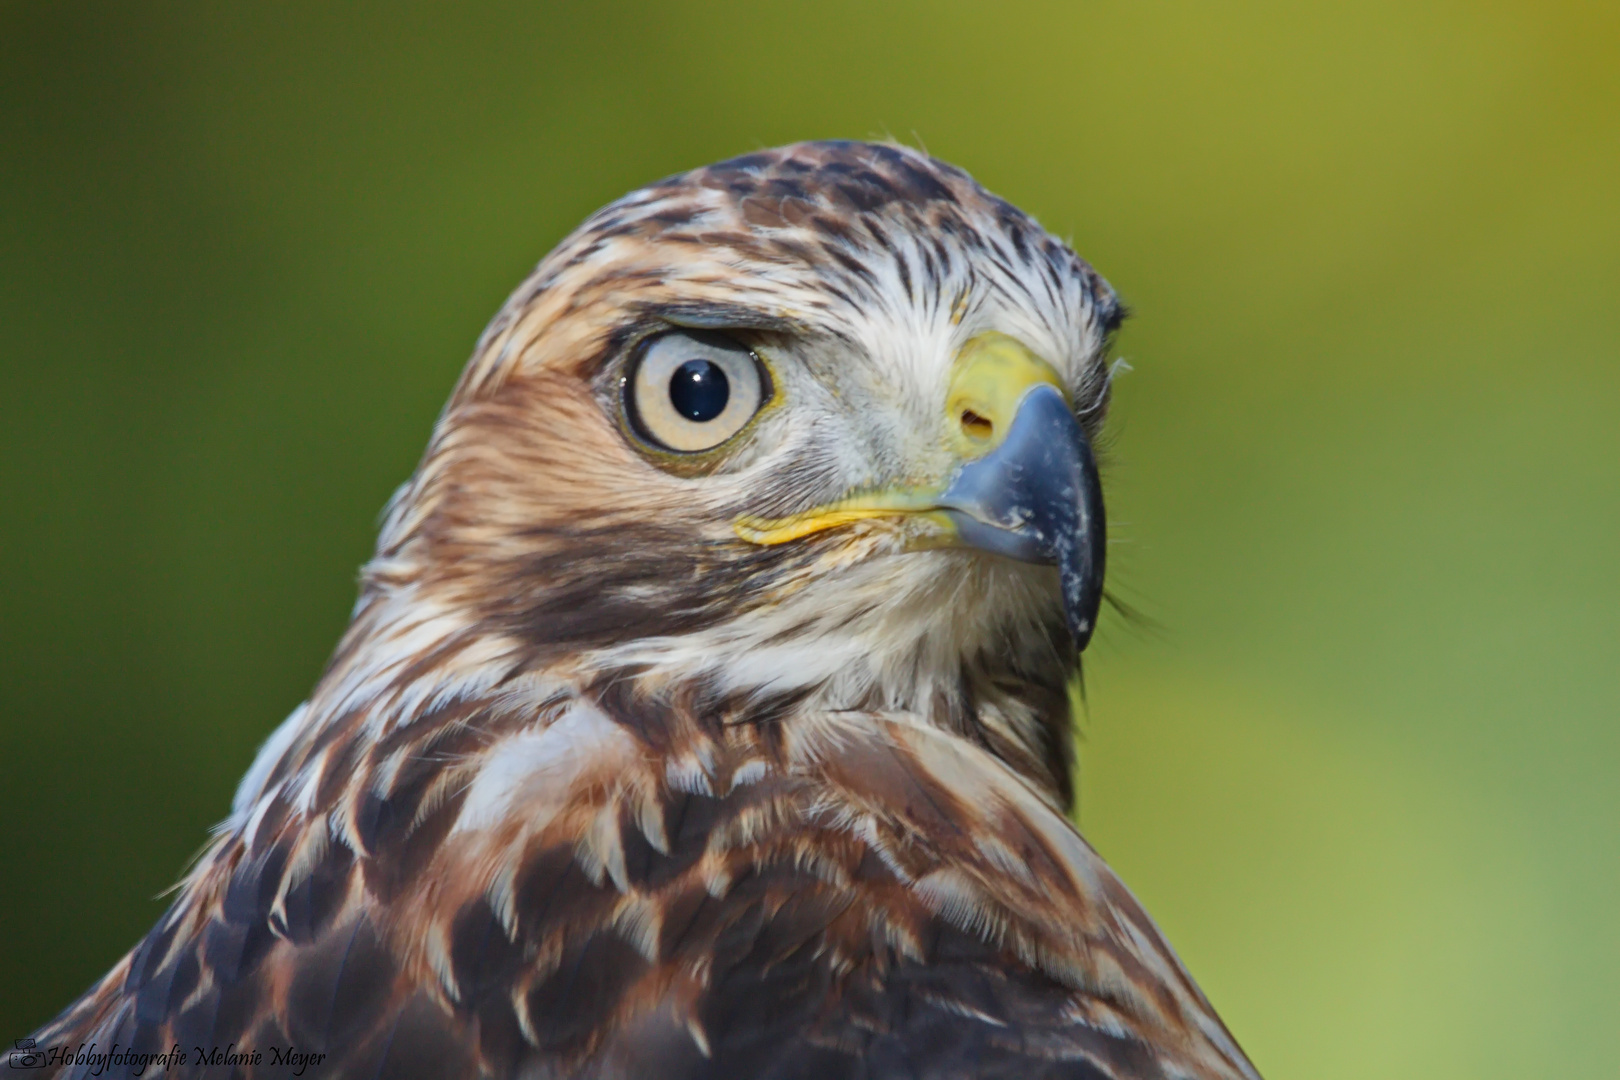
495 890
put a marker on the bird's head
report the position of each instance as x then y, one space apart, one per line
815 423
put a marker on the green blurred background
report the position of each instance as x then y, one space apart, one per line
1361 764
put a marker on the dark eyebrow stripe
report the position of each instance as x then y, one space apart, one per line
714 315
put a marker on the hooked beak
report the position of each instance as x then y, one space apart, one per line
1036 498
1025 486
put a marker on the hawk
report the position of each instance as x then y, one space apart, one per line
704 712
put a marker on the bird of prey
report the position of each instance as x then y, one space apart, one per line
705 712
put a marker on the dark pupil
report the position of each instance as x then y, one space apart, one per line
699 391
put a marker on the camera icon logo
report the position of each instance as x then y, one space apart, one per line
27 1055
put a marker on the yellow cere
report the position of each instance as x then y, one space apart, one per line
991 375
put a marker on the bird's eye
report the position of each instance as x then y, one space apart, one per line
691 391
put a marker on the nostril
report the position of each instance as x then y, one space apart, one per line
977 427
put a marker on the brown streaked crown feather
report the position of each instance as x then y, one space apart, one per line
594 788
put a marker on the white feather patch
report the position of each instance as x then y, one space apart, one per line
252 785
535 770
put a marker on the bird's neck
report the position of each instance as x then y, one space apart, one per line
407 662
